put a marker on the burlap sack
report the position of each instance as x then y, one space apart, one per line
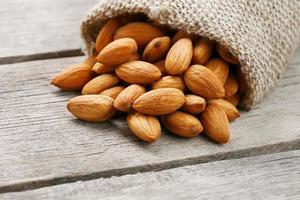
263 34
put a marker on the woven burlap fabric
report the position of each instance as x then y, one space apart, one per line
263 34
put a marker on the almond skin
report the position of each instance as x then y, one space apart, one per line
145 127
113 92
225 54
99 68
141 32
215 123
161 66
91 60
203 82
230 110
157 49
126 98
92 108
100 83
234 99
169 82
182 124
118 52
138 72
106 34
231 85
181 34
202 51
73 78
219 67
159 102
179 57
194 104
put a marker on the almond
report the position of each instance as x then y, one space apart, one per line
215 123
169 82
106 34
118 52
113 92
202 51
126 98
159 102
100 83
91 108
161 66
99 68
219 67
73 78
181 34
157 49
231 85
145 127
225 54
230 110
91 60
234 99
194 104
138 72
141 32
179 57
202 81
182 124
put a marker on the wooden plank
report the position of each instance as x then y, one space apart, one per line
38 29
42 144
274 176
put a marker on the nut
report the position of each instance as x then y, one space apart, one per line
220 68
100 83
113 92
231 85
194 104
230 110
169 82
202 51
157 49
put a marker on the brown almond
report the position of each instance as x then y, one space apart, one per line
203 82
202 51
100 83
113 92
234 99
194 104
219 67
73 78
145 127
118 52
92 108
141 32
231 85
215 123
182 124
99 68
179 57
225 54
126 98
169 82
157 49
159 102
230 110
106 34
181 34
161 66
138 72
91 60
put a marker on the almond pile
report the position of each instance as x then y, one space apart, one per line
157 77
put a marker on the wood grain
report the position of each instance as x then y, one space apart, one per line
273 177
42 144
35 29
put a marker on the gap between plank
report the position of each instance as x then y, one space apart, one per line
41 56
256 151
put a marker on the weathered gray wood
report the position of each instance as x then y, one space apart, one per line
47 28
42 144
275 176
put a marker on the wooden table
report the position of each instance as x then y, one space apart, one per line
47 154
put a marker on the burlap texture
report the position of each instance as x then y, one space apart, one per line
263 34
